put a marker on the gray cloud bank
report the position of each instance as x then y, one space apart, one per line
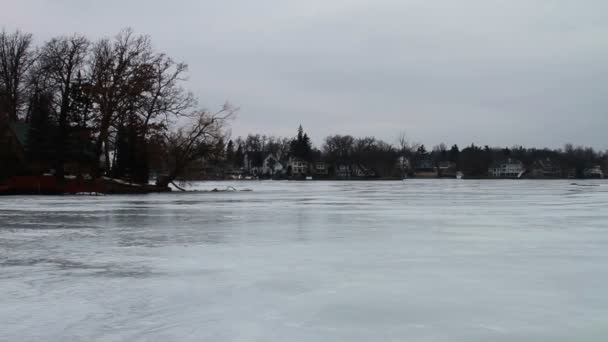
486 71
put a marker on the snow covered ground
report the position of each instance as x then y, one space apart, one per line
420 260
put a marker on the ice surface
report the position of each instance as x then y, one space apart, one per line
310 261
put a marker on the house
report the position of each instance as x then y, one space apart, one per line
321 169
22 152
362 171
447 169
13 140
594 172
262 164
425 168
13 137
298 167
508 168
545 168
342 170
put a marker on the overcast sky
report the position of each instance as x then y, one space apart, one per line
497 72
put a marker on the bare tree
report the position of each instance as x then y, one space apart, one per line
194 141
16 58
166 97
403 143
120 71
62 59
406 147
339 147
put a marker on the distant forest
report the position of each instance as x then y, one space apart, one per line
118 108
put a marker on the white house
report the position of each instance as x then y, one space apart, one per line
509 168
362 171
343 170
594 172
298 166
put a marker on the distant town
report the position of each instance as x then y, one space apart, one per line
114 116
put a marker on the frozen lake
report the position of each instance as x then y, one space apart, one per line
435 260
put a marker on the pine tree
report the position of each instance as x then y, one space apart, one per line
230 153
119 169
421 151
306 147
301 147
454 154
300 133
81 102
42 129
220 150
239 157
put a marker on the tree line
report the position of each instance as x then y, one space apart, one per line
113 107
395 159
117 107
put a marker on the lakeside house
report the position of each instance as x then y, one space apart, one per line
424 168
508 168
546 168
342 170
24 151
12 147
13 139
447 169
594 172
361 171
297 167
321 169
262 164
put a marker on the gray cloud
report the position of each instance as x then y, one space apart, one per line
495 72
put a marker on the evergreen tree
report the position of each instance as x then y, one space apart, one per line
239 157
421 151
138 161
301 147
219 153
454 155
306 147
40 147
81 102
476 161
230 153
121 163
